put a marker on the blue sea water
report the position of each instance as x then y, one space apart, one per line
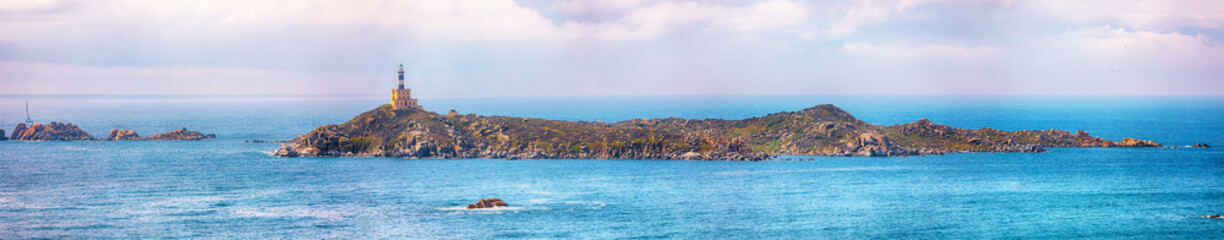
227 188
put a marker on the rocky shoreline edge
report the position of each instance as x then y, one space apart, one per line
57 131
822 130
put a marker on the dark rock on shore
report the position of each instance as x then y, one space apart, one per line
821 130
488 203
1200 145
53 131
2 135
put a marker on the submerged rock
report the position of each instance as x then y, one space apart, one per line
1200 145
488 203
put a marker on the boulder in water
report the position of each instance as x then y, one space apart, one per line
181 134
1200 145
488 203
54 131
116 134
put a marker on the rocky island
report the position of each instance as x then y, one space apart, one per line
823 130
57 131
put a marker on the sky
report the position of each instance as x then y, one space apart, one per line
491 48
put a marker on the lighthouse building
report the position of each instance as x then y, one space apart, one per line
401 98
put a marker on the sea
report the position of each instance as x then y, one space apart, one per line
229 188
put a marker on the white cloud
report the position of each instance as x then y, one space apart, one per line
613 46
896 51
860 14
594 6
1106 43
1158 15
667 17
465 20
55 78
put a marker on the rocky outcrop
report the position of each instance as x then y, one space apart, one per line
414 133
21 127
56 131
1131 142
2 136
873 144
1199 145
821 130
180 135
53 131
488 203
119 135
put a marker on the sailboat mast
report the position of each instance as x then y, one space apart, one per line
28 121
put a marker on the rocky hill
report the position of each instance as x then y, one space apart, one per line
413 133
829 131
821 130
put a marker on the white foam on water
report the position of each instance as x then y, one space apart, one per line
483 210
82 149
10 203
850 169
294 212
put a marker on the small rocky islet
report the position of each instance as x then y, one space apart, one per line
57 131
488 203
823 130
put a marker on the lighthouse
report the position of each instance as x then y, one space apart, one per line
401 98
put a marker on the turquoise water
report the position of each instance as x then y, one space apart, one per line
226 188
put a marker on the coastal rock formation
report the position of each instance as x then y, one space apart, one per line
2 136
829 131
21 127
415 133
1199 145
180 135
56 131
53 131
488 203
821 130
1131 142
116 134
